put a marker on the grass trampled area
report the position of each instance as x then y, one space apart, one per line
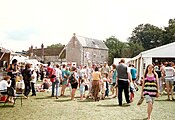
45 107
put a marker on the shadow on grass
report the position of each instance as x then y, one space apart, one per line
141 119
64 96
63 100
163 100
114 105
7 106
45 97
86 100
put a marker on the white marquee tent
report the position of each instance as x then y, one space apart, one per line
146 57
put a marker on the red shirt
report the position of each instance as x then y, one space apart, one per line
51 72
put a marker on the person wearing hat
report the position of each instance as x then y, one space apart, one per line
105 70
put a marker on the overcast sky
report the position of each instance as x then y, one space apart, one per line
32 22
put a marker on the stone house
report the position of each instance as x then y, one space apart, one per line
47 54
83 50
79 50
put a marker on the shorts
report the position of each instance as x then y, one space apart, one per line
134 79
149 99
82 91
171 81
74 85
64 82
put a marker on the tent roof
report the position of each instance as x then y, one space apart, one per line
160 52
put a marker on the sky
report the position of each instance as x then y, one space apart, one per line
32 22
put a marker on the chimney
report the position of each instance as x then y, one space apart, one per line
42 51
31 54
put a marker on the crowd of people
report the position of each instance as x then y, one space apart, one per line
100 81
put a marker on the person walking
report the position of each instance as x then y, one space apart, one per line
133 85
27 76
65 76
114 86
150 88
12 72
123 80
33 81
51 74
169 73
73 79
58 79
96 76
105 70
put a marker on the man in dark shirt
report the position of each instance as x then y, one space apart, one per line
123 79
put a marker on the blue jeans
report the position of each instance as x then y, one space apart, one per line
107 89
56 83
33 88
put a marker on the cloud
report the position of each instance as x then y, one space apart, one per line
24 23
20 35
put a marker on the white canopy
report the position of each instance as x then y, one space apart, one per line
165 51
145 58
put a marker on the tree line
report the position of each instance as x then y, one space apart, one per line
143 37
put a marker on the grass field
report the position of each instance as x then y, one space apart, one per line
44 107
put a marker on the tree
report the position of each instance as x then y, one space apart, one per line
134 49
55 45
116 48
169 32
148 36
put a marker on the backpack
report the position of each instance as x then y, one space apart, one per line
72 79
50 73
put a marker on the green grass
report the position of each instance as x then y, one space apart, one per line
43 107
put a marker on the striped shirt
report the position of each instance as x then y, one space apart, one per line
150 86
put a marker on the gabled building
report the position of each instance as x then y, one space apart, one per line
47 54
79 50
83 50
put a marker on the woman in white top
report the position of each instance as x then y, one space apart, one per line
169 73
33 81
3 87
4 84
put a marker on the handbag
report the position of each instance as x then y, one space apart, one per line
140 101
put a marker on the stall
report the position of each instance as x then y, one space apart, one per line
4 60
153 56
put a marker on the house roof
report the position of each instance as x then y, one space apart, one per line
91 43
5 50
49 52
162 51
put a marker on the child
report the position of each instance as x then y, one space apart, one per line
44 86
105 89
132 90
82 89
106 80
